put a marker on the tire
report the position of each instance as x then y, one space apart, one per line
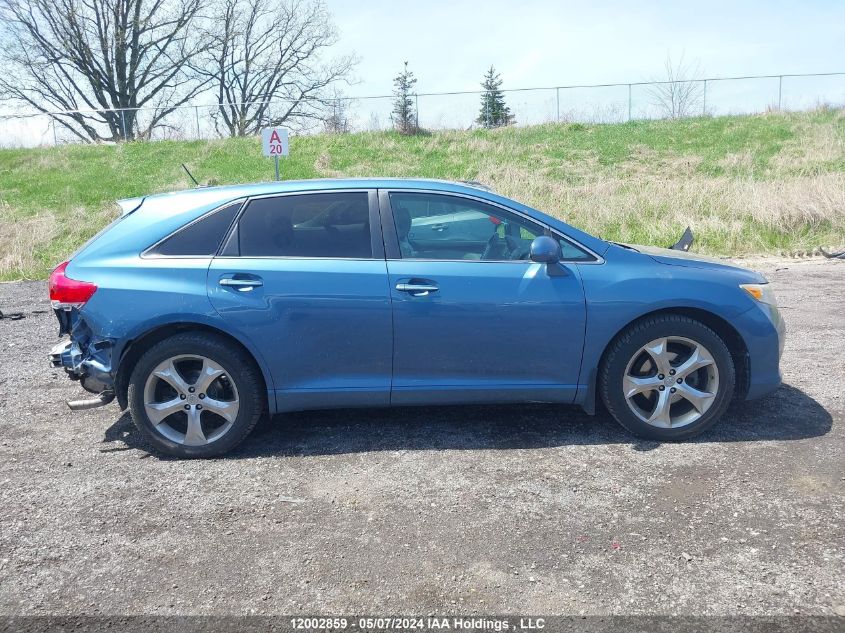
169 383
653 404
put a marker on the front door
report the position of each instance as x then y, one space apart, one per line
304 277
474 320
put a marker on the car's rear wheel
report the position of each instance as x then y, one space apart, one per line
667 377
195 395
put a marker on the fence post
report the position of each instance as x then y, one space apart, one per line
417 112
197 113
629 103
123 123
55 136
780 92
557 99
704 101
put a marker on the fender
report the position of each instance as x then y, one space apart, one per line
636 290
182 321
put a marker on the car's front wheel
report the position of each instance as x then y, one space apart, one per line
195 395
667 377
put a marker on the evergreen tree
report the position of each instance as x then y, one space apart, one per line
403 116
494 112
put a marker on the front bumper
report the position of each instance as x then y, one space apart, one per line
765 336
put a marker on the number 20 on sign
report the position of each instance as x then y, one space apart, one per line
274 142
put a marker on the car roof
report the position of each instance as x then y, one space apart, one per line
288 186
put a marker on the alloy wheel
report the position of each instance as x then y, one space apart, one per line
191 400
671 382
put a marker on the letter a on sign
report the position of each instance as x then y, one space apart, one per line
274 141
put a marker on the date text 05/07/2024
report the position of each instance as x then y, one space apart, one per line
399 623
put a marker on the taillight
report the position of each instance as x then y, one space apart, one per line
66 293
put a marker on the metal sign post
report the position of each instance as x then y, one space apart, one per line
274 142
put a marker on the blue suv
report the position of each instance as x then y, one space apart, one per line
203 310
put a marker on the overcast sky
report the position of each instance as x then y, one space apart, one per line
450 43
545 42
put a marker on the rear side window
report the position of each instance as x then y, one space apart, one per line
307 225
200 238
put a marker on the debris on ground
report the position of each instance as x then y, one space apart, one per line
832 254
12 316
745 520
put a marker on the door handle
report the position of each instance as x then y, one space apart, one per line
439 227
241 285
418 290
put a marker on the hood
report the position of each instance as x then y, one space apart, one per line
691 260
680 258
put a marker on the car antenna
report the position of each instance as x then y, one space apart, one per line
190 175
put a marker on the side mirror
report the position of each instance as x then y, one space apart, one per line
545 250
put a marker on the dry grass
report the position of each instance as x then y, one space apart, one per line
22 239
745 185
30 243
729 215
815 144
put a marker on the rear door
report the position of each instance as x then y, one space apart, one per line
474 320
303 276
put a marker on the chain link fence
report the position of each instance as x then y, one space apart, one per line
596 103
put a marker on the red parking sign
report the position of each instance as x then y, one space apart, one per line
274 141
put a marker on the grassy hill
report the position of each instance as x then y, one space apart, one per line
746 185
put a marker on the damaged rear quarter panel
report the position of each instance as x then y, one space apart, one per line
172 290
133 295
136 295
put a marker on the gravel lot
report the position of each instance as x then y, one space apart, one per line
475 510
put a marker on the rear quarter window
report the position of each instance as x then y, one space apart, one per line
201 237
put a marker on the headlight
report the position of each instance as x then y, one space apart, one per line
761 292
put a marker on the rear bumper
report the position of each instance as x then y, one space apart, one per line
61 356
92 370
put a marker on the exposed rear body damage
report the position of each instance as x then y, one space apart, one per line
85 357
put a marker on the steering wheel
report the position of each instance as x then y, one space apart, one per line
503 248
520 252
494 245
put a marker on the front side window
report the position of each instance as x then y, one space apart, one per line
435 226
571 253
306 225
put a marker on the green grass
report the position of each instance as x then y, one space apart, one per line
754 184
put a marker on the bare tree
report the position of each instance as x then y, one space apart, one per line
374 122
337 120
680 92
266 64
87 58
